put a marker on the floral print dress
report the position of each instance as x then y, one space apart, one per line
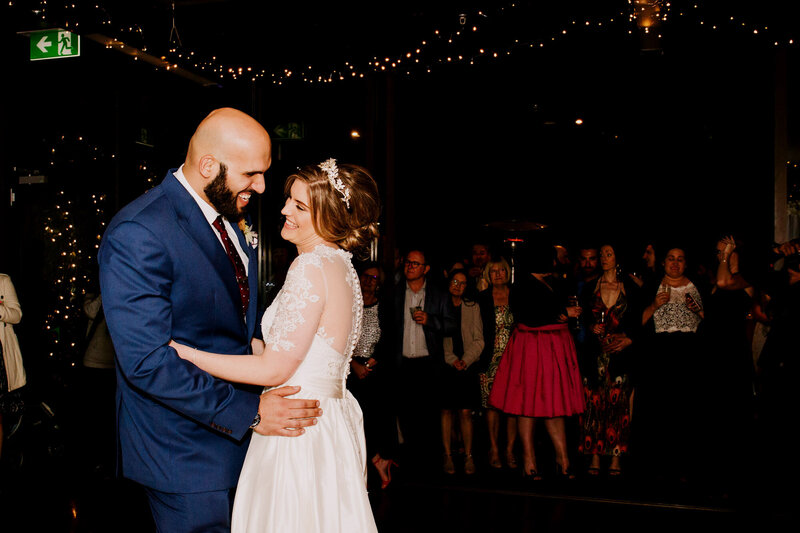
504 325
606 422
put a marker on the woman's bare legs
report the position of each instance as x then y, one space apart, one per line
465 420
447 437
556 428
493 427
511 439
526 427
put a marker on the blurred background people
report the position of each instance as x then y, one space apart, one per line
422 317
460 392
370 378
538 376
563 268
729 372
779 374
98 385
613 316
647 272
668 419
498 323
480 255
12 370
586 272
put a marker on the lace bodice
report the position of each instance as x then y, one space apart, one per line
674 316
317 317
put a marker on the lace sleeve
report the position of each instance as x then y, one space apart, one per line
299 308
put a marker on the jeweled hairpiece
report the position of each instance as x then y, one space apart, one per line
332 171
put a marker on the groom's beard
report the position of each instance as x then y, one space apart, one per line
221 197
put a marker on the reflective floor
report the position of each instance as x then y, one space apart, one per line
45 487
55 496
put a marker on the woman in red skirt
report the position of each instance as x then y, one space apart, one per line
538 376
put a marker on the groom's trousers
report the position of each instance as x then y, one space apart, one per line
198 512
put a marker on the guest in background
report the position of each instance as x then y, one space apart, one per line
98 389
779 367
480 255
563 267
498 323
587 266
729 369
666 402
460 379
586 273
453 265
613 317
647 273
421 318
370 378
12 371
538 376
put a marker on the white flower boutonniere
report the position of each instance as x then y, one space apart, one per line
249 235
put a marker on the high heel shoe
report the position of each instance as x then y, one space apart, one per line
564 473
530 475
533 476
447 465
469 465
494 459
384 468
511 461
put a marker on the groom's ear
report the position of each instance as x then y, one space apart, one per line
209 166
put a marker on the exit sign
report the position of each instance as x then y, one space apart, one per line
54 44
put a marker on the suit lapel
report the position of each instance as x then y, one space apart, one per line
192 221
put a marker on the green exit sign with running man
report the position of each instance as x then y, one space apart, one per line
54 44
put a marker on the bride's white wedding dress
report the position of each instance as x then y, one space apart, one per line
315 482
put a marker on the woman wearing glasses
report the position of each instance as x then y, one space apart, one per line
460 379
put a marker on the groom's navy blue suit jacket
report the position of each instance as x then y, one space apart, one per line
164 275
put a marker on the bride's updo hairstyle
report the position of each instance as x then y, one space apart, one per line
344 203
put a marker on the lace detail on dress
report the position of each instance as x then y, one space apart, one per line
292 300
317 316
674 316
358 314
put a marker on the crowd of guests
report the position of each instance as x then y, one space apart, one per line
672 364
662 361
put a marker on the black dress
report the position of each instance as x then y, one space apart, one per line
669 401
460 389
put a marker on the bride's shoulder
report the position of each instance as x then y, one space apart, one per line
322 258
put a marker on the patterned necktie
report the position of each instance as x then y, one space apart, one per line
238 266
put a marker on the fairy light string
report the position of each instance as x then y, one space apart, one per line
455 41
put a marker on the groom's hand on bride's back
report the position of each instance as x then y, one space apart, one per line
286 416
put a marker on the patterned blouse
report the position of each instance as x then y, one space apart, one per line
675 316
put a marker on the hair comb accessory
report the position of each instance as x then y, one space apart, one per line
329 167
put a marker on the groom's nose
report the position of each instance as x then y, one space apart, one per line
258 184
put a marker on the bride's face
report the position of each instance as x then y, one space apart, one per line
297 228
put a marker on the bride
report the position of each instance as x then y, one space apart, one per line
315 482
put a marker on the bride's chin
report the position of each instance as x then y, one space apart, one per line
286 235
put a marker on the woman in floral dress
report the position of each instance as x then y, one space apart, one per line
498 322
610 305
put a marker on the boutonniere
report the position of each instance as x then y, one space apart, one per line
249 235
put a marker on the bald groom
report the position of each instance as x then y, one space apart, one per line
166 273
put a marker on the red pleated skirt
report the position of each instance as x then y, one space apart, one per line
538 374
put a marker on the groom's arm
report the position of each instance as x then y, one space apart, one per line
136 277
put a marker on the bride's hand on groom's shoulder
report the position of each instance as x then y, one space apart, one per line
286 417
